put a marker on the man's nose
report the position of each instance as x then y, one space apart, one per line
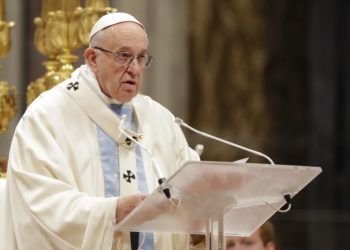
134 66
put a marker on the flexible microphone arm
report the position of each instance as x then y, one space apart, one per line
156 166
182 123
159 173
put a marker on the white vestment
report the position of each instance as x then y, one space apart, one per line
55 181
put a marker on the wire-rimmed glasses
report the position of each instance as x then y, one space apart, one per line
125 58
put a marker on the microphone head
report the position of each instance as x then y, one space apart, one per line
179 121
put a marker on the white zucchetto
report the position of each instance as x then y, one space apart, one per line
111 19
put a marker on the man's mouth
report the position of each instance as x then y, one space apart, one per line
129 82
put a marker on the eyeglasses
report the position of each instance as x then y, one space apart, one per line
124 58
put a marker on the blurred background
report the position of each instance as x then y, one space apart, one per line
271 75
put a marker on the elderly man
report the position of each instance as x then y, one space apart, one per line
74 170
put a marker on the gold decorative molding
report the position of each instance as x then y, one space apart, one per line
44 82
63 27
93 10
8 104
3 167
56 37
5 31
5 37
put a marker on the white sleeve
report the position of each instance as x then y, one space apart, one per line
49 211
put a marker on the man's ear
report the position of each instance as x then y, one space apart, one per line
90 58
270 246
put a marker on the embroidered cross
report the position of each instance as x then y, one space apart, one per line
128 141
75 86
129 176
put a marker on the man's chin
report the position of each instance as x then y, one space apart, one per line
126 97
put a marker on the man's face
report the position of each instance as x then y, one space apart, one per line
120 82
253 242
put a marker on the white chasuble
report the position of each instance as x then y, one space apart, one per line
56 192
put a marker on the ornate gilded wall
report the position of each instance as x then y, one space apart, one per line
274 75
227 63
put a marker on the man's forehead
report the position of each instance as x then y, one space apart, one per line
125 31
127 27
125 35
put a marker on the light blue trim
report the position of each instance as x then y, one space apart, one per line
110 163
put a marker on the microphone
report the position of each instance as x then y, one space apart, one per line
156 166
180 122
199 149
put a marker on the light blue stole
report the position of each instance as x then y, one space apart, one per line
110 163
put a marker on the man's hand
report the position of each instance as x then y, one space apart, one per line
126 204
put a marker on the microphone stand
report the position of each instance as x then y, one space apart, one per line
158 170
180 122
